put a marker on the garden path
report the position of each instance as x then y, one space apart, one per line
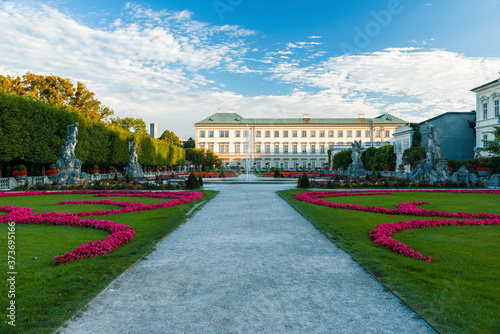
247 263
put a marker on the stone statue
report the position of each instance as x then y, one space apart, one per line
356 152
68 166
68 149
356 170
133 151
434 151
133 168
477 152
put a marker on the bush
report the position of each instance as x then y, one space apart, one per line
192 182
116 177
276 174
304 181
200 180
221 173
128 178
20 167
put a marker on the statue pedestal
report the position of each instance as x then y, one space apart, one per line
355 171
134 169
428 172
69 171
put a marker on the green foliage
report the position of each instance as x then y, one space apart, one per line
170 138
304 181
276 174
384 157
201 157
20 168
493 146
417 135
221 174
189 143
135 125
192 182
367 157
342 159
413 154
200 180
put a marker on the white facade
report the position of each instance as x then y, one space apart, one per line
402 140
487 112
289 143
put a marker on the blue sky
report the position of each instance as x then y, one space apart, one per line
175 62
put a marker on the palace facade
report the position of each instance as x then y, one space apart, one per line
487 112
289 143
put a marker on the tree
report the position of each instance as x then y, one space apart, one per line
192 182
342 159
304 181
385 157
493 146
133 125
201 157
412 155
189 143
367 157
170 138
417 135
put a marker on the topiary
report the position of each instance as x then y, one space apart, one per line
200 180
192 182
304 182
221 173
116 177
276 173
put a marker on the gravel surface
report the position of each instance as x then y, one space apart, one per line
247 263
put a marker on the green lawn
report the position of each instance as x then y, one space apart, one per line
459 292
47 296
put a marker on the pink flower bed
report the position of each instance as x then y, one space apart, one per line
381 235
120 234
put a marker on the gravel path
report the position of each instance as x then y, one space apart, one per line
247 263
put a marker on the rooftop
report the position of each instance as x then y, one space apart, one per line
234 118
492 83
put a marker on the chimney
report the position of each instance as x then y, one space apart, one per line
361 116
218 111
306 118
231 111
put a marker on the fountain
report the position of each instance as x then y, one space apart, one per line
246 177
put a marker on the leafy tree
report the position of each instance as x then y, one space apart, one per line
384 157
367 158
342 159
417 135
413 154
206 158
170 138
133 125
189 143
493 146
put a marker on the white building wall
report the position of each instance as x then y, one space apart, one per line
487 113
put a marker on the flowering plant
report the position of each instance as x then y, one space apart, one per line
19 173
381 235
95 171
120 234
51 172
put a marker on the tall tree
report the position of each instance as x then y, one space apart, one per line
170 138
134 125
189 143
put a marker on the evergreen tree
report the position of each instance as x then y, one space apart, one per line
304 181
192 182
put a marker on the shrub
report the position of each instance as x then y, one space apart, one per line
20 168
276 174
128 178
200 180
116 177
304 182
192 182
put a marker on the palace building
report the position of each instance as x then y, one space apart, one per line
487 112
289 143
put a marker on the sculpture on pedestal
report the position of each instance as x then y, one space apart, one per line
434 168
355 170
68 166
134 168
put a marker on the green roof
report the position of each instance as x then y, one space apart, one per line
234 119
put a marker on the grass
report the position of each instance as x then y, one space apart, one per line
459 292
47 296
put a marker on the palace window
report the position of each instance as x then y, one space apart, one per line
313 164
202 134
268 134
268 148
237 133
387 133
331 133
236 147
223 148
304 148
349 133
285 147
378 133
485 110
497 107
313 134
276 134
285 134
304 133
286 164
276 148
340 134
313 148
224 134
245 147
210 134
202 146
294 134
358 133
322 134
322 148
257 148
367 134
294 147
211 146
257 134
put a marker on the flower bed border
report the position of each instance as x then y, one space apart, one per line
381 235
120 234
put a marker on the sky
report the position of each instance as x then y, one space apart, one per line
175 62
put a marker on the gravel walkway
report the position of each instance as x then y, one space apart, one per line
247 263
